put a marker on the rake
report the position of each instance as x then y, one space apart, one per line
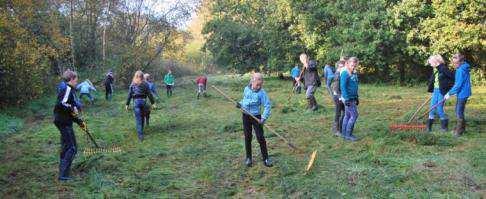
415 127
255 118
97 148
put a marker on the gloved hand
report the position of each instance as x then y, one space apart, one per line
75 111
154 106
126 107
447 96
262 121
238 105
83 125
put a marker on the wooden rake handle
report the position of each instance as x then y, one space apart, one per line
418 109
255 118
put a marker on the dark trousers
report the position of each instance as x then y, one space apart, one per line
146 114
169 90
68 148
460 107
248 124
339 109
108 92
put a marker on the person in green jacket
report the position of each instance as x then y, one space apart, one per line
169 82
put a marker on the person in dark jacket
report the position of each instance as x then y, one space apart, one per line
440 82
461 88
65 112
336 93
311 80
154 92
109 85
349 96
139 91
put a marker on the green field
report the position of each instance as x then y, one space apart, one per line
195 148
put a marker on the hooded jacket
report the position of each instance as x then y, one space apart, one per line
462 85
446 79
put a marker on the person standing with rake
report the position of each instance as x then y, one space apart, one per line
311 80
461 88
440 82
64 110
253 98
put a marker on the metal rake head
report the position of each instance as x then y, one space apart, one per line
93 151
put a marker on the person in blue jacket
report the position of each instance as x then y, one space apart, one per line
65 111
349 96
295 73
440 82
253 98
462 89
328 76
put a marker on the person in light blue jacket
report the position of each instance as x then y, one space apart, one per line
85 89
328 76
461 88
254 97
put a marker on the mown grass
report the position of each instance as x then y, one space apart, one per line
194 148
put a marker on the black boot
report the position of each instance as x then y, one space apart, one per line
429 124
460 127
268 163
248 162
444 125
314 104
309 103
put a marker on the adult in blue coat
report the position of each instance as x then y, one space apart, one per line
461 88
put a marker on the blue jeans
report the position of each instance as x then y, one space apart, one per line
460 107
436 98
328 86
139 109
350 117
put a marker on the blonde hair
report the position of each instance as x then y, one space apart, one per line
69 75
303 58
137 78
352 59
436 58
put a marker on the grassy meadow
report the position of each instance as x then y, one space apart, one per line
195 148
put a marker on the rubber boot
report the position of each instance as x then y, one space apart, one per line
313 104
248 162
444 125
429 125
460 127
336 129
267 162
